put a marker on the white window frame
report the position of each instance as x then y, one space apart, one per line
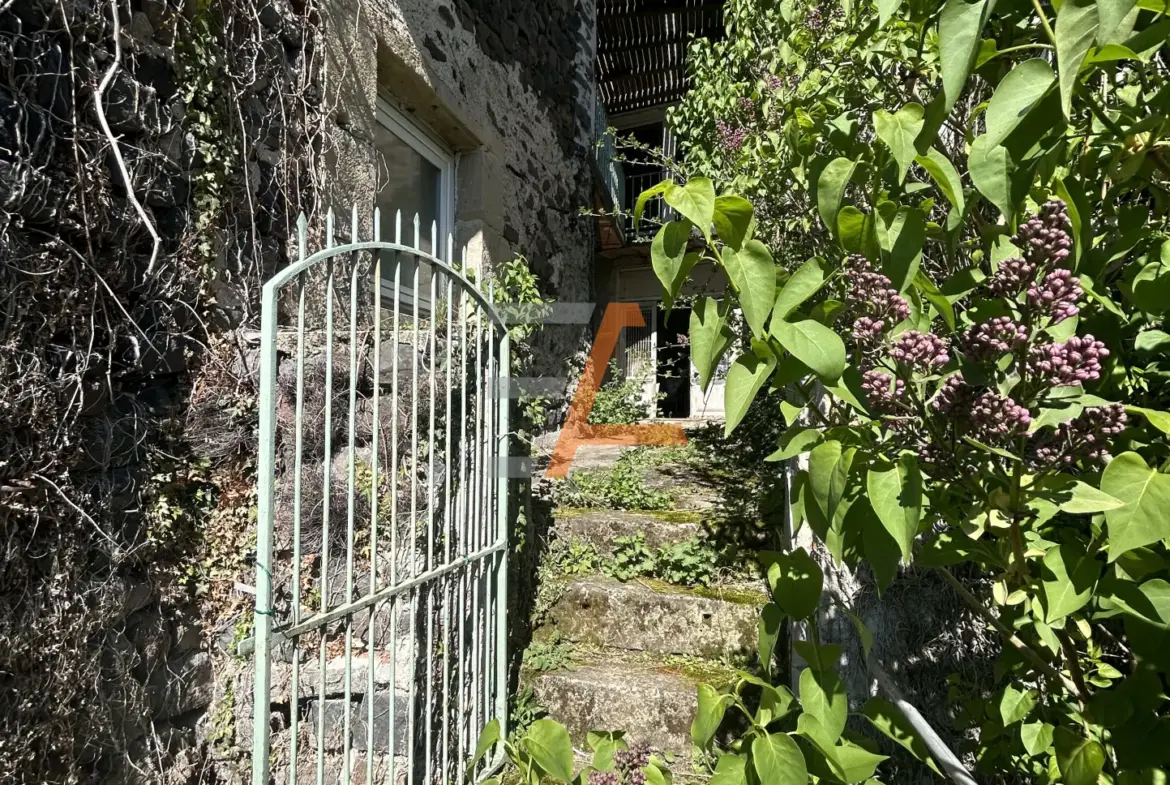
430 147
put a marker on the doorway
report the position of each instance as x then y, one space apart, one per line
673 367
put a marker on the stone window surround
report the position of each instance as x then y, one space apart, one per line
474 188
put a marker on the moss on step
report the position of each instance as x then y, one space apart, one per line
697 670
700 671
666 516
740 595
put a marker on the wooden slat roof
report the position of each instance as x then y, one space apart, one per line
641 48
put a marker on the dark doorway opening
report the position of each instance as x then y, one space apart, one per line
674 364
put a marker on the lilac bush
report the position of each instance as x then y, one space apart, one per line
1014 350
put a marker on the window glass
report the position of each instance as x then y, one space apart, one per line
412 183
408 182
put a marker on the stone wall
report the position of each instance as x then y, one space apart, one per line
174 120
511 91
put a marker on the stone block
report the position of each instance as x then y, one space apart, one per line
600 528
632 617
189 685
650 705
333 713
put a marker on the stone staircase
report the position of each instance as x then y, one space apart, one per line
640 648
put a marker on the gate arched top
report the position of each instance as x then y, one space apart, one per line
295 269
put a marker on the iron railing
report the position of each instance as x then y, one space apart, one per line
383 639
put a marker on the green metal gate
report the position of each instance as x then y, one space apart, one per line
381 568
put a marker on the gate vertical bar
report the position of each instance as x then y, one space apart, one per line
265 501
502 523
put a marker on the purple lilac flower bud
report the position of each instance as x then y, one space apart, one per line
731 137
603 778
993 338
873 299
1044 238
952 396
1011 277
636 756
1084 438
774 82
814 20
920 350
635 777
1057 295
746 104
883 392
1075 361
996 419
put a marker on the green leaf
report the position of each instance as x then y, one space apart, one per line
796 582
668 255
858 232
881 550
488 738
646 196
853 763
990 168
1072 495
936 298
813 344
654 775
945 176
1076 27
1015 704
748 374
712 706
1037 737
959 26
898 131
896 495
1068 580
831 189
710 337
828 474
1151 288
730 770
548 743
803 284
603 744
884 716
1145 518
1160 420
768 632
778 760
753 274
901 242
1016 95
795 441
823 697
694 201
733 219
886 9
1151 341
1111 14
1080 760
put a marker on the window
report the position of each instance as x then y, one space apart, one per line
416 176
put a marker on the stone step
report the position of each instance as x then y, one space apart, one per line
653 617
600 528
650 703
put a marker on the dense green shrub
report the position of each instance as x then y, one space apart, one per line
967 204
619 401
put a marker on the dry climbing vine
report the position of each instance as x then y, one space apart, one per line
152 161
